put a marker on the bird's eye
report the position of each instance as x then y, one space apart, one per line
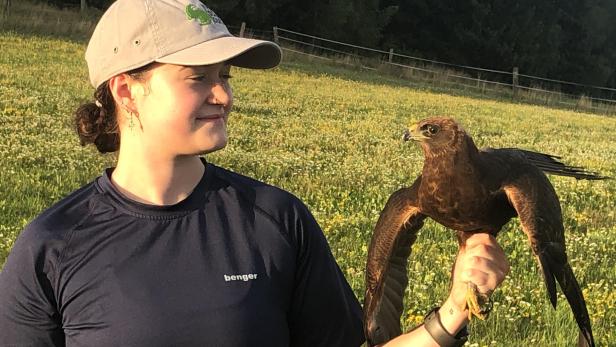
430 129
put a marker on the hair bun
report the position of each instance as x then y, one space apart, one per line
97 124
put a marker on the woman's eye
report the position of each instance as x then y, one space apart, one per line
197 77
203 78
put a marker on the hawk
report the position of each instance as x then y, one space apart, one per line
470 191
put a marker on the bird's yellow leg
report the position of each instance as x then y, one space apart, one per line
475 301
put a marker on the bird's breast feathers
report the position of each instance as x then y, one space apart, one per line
458 207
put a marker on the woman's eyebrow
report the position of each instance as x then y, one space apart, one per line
203 69
194 69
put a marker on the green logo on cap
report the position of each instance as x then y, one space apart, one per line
200 15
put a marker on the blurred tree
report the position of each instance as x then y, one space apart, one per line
566 39
99 4
256 13
599 57
354 21
570 40
489 33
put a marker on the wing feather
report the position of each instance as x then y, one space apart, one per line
386 275
536 203
549 163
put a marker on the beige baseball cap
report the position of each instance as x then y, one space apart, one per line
134 33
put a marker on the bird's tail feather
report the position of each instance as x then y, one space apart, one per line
583 340
550 164
548 278
570 287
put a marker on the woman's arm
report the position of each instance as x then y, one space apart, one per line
324 310
28 315
481 262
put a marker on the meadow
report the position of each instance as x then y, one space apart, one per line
333 138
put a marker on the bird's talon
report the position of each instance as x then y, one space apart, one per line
475 301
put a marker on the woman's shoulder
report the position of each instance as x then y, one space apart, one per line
270 198
47 235
61 217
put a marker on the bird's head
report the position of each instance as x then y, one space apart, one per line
436 134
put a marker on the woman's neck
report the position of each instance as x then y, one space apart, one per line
154 180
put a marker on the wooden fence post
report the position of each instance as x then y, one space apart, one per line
391 55
84 5
242 28
276 34
6 8
515 82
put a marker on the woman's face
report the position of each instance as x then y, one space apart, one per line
183 110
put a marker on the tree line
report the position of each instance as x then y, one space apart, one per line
573 40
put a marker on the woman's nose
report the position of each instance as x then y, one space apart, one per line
220 94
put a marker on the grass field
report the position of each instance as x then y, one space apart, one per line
333 138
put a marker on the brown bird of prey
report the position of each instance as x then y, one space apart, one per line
470 191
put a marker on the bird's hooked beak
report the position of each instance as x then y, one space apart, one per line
414 134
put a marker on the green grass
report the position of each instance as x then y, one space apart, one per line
36 17
333 138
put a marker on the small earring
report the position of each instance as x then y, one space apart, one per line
131 125
131 113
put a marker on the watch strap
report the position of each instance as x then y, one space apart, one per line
434 326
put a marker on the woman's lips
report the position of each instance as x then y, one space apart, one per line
211 117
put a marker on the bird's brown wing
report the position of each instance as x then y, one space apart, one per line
548 163
535 201
386 278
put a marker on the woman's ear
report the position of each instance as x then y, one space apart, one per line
119 89
123 88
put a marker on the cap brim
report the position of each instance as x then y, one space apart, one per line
238 51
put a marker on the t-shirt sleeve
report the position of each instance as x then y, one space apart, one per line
324 309
28 314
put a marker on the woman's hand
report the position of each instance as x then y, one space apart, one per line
481 262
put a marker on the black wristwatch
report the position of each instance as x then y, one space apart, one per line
434 326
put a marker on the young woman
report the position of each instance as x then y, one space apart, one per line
167 249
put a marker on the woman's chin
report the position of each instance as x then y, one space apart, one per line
213 145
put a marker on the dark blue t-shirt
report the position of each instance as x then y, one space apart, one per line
237 263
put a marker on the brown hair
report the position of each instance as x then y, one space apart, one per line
99 125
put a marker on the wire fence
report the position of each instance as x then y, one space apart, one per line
512 84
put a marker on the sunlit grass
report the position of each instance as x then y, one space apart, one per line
334 140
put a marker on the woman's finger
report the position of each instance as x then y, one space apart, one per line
486 264
483 263
486 282
485 246
481 238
